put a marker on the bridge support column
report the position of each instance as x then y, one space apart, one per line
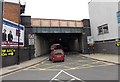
41 46
80 44
74 45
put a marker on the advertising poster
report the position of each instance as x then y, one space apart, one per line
10 33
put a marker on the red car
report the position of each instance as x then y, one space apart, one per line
57 55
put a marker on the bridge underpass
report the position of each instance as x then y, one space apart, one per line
71 42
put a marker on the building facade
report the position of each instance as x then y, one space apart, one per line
104 23
11 11
11 22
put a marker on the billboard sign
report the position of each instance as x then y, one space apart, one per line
10 33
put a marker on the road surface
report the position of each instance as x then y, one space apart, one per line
76 68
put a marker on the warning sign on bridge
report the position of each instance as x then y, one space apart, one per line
31 39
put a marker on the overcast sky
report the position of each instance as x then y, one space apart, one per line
56 9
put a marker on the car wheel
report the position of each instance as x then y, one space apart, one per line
62 60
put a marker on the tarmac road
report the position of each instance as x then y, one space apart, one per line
75 68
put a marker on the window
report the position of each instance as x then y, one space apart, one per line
103 29
100 30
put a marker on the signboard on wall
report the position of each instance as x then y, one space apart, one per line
90 40
10 33
31 39
8 52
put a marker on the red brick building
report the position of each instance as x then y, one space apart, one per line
11 11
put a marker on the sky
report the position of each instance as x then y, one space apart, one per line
57 9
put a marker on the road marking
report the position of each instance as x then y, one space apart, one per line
67 67
53 66
73 77
85 65
56 75
39 68
49 67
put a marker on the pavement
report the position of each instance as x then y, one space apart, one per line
23 65
111 58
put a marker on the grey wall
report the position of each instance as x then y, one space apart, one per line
26 21
106 48
86 22
118 50
80 44
25 54
86 32
85 46
74 45
41 45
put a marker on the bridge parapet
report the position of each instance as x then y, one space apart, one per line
37 22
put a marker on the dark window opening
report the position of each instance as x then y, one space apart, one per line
103 29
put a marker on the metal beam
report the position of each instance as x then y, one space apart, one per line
56 30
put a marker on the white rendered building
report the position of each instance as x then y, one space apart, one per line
105 25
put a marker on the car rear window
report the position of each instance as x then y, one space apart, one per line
58 52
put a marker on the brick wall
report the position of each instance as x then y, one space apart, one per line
11 11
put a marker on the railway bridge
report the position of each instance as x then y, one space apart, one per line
71 34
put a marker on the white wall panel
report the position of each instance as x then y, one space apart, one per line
103 13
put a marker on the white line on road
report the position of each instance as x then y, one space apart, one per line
73 77
56 75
